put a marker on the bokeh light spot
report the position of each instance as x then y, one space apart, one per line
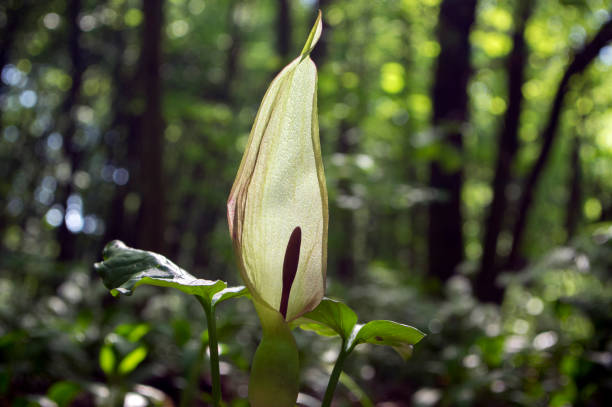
51 21
392 77
28 98
54 217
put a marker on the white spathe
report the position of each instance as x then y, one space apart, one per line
280 186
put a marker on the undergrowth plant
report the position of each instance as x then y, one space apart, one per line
278 219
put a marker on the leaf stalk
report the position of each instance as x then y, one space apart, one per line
213 345
335 376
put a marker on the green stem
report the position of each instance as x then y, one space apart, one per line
275 372
335 376
209 310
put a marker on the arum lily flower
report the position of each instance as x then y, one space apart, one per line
277 208
277 214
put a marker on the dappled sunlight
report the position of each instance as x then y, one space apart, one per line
467 148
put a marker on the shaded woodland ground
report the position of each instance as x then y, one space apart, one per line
468 153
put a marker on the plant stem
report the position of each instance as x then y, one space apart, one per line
209 310
335 376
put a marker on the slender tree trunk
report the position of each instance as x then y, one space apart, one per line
233 54
15 16
345 216
574 201
72 150
581 60
283 31
152 209
485 287
121 224
450 112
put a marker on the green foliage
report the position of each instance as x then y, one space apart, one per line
376 70
124 269
107 360
132 360
332 318
63 393
401 337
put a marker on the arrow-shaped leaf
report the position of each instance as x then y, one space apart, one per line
125 268
230 292
380 332
330 318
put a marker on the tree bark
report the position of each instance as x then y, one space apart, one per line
72 150
15 16
574 201
485 287
123 151
580 61
344 218
233 53
283 31
450 112
319 53
152 209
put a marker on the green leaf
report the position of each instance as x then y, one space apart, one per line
132 360
125 268
133 332
319 329
107 360
63 392
380 332
230 292
330 318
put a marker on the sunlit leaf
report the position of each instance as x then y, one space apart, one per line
230 292
333 318
125 268
107 359
133 332
319 329
330 318
132 360
399 336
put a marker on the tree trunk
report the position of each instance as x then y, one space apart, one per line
450 112
574 201
152 208
319 53
344 218
283 31
14 18
580 61
120 224
73 152
225 92
485 287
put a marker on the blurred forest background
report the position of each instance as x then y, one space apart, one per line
468 153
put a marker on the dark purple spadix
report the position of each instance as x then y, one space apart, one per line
290 265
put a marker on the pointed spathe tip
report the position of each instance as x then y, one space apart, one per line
313 37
